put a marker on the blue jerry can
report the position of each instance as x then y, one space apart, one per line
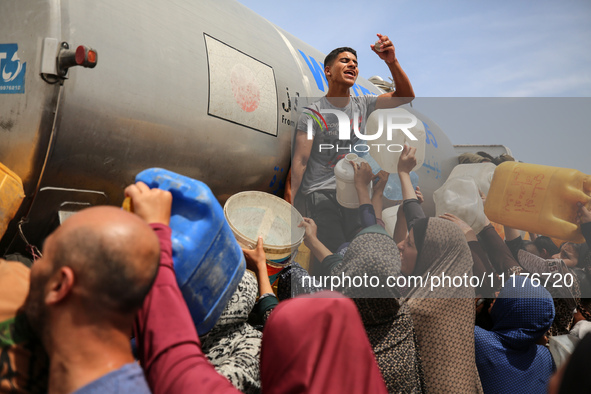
208 261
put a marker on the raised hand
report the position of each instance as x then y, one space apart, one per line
152 205
380 185
407 160
385 49
466 229
419 195
255 258
584 214
363 174
310 229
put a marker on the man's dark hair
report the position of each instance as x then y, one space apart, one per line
543 242
330 58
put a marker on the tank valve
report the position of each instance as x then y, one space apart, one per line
81 56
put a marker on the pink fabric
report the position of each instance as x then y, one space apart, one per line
317 344
168 346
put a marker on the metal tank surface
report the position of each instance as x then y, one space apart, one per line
207 89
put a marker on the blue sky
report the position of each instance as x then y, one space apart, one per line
473 49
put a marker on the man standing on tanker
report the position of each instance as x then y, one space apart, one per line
315 156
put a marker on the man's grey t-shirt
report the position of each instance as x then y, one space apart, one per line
127 379
327 149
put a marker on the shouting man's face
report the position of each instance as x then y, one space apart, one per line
344 69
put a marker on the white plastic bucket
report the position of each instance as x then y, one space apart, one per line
252 214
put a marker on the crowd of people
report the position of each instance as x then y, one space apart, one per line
106 279
106 273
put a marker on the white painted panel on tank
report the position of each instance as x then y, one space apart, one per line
241 88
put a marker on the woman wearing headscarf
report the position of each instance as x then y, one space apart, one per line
508 356
388 324
317 344
443 318
573 262
373 255
233 346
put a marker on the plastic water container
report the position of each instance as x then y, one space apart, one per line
208 261
482 173
252 214
393 190
387 151
345 176
460 197
539 199
11 196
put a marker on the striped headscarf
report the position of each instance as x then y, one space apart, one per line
444 318
388 325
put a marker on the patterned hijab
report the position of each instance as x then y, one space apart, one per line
389 326
233 346
444 319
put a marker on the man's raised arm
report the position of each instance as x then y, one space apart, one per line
404 92
168 346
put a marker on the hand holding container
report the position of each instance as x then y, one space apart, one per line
539 199
208 261
345 176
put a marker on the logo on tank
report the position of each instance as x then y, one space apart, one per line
12 70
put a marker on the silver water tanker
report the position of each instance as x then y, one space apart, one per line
92 93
